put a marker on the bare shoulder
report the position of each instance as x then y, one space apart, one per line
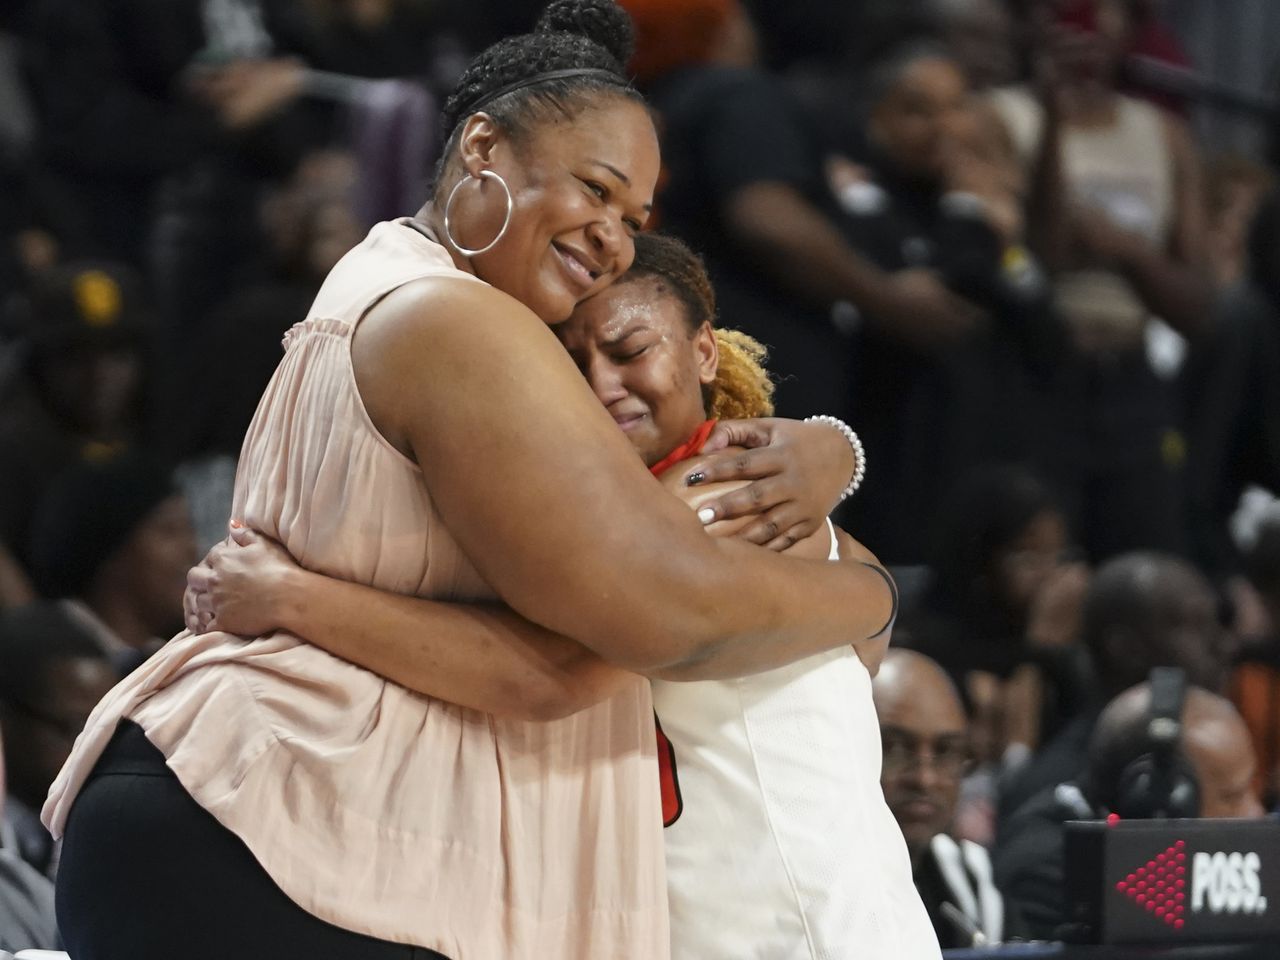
444 307
447 334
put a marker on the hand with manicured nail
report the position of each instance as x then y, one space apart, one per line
795 473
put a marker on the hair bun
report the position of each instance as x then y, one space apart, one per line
601 21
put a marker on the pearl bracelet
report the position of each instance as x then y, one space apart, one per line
859 454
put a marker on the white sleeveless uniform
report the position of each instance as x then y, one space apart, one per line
783 847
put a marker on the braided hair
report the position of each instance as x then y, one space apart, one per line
742 387
574 54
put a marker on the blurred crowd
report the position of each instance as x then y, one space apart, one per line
971 228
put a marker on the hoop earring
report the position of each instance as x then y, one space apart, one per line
505 223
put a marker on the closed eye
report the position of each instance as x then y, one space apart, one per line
633 354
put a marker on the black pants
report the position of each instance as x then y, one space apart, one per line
148 874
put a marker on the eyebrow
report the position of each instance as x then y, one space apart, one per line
641 327
648 207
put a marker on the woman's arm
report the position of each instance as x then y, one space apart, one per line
870 650
478 391
1049 231
481 656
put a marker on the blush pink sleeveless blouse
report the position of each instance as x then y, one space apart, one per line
374 808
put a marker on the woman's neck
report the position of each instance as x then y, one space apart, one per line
431 222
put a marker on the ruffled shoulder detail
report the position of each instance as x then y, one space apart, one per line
339 328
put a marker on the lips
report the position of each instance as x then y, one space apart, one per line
581 270
628 421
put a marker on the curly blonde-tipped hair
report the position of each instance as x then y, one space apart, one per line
742 387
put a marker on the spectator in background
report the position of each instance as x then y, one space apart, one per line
1235 187
309 223
30 221
161 122
982 36
374 70
33 230
1142 611
746 187
26 896
1255 680
118 115
52 674
1215 749
796 34
114 541
1002 541
17 125
1234 406
937 191
926 755
1118 191
78 389
221 71
1001 614
380 38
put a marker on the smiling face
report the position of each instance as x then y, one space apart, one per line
581 186
632 343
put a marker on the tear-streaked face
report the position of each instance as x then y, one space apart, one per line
632 343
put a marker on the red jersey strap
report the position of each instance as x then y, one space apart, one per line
686 450
672 801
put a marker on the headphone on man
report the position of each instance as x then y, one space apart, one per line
1160 782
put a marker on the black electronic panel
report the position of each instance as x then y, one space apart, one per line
1170 881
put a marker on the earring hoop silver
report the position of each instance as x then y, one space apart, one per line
506 222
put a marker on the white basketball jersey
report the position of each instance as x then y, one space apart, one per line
782 847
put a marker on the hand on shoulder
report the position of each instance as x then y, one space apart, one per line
814 547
